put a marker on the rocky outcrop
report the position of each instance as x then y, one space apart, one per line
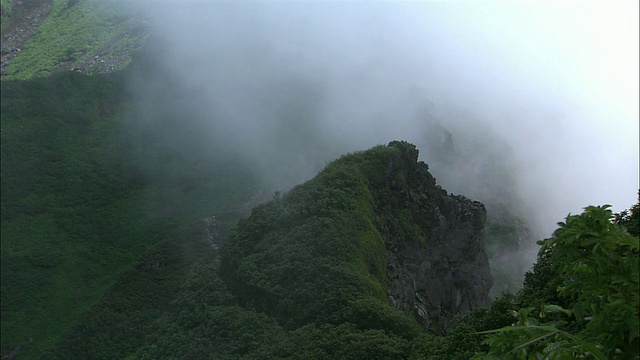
370 235
438 266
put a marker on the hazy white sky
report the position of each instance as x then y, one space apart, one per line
583 51
570 71
581 58
558 80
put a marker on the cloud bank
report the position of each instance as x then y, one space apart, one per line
533 102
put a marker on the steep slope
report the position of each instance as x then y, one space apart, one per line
437 260
68 222
371 230
78 208
42 37
312 274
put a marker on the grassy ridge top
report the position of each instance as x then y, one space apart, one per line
91 36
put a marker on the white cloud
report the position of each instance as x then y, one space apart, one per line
557 80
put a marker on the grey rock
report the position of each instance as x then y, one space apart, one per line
442 270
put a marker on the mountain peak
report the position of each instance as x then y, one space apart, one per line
370 240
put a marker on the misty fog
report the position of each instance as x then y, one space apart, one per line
535 104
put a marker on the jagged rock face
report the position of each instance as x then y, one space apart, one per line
370 233
438 266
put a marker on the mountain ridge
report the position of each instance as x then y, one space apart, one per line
376 221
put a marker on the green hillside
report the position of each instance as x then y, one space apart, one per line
317 254
77 206
130 239
104 254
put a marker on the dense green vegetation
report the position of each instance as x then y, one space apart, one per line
315 254
78 206
103 256
585 293
303 277
62 194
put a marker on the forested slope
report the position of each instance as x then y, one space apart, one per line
105 252
120 197
78 207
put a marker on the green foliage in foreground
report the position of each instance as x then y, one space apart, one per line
594 263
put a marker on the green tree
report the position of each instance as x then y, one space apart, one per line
596 262
630 219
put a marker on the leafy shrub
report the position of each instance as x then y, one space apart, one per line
594 262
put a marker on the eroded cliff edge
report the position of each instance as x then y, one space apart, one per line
438 266
370 235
